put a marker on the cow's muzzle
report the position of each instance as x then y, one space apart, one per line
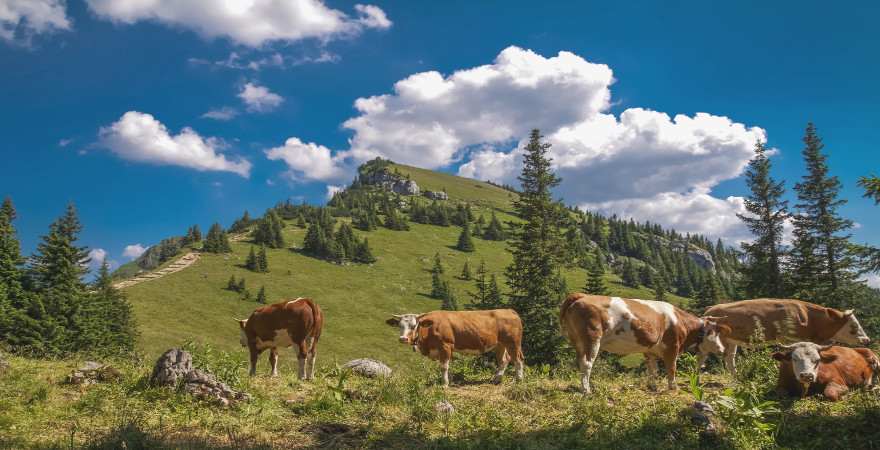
865 340
807 377
404 340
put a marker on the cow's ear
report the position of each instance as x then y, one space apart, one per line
782 356
394 321
848 313
827 357
242 323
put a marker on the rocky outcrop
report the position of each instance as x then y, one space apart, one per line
391 182
369 368
174 369
436 195
93 372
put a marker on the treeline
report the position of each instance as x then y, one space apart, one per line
45 306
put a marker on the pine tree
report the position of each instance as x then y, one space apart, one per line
242 286
660 288
262 260
261 295
438 265
363 254
821 258
109 316
450 303
629 276
314 243
871 185
481 284
595 280
763 275
494 299
216 241
251 261
231 285
708 295
11 260
494 231
196 233
465 242
438 285
646 276
536 245
465 272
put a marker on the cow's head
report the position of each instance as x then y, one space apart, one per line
242 337
408 324
805 358
851 331
710 334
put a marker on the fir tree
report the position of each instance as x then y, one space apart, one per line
763 276
251 262
438 285
216 241
871 185
196 234
465 242
363 254
246 295
535 245
494 231
708 295
494 299
660 288
242 286
261 295
820 256
315 242
646 276
232 285
465 272
450 303
109 317
595 280
262 260
481 285
301 221
11 260
438 265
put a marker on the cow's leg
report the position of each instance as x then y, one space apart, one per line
518 363
301 359
651 364
502 359
273 361
834 391
586 362
444 372
313 354
254 353
669 359
730 357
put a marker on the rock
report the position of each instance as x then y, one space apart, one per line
444 407
406 187
205 386
369 368
171 368
391 182
702 415
436 195
93 372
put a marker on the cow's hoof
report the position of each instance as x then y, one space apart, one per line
496 380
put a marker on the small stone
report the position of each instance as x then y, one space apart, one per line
369 368
444 407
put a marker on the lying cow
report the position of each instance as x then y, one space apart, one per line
626 326
284 324
438 334
807 368
782 320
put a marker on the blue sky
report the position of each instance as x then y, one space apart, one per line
608 103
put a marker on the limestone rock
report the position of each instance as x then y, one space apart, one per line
444 407
171 368
369 368
436 195
93 372
406 187
205 386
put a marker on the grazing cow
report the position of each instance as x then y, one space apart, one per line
808 368
284 324
626 326
439 333
782 320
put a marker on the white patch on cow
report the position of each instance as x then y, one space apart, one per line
293 301
662 308
620 338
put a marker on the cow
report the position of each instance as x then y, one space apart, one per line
808 368
782 320
438 334
626 326
284 324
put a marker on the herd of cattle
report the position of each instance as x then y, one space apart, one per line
617 325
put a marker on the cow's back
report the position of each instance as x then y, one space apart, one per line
778 319
469 330
300 317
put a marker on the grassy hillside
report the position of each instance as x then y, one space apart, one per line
194 305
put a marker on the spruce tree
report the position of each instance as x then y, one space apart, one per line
494 231
465 241
262 260
231 285
481 285
871 185
315 241
660 288
536 244
261 295
595 280
767 213
708 295
196 233
242 286
251 261
465 272
363 254
494 299
450 303
11 260
109 315
821 258
438 285
629 276
646 276
216 241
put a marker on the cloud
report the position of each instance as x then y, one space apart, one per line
308 161
236 61
259 98
873 280
139 137
224 113
64 142
133 251
332 190
20 20
97 256
252 23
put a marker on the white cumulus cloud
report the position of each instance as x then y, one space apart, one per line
259 98
332 190
308 161
224 113
22 19
251 23
133 251
139 137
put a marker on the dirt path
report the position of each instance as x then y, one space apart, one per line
182 263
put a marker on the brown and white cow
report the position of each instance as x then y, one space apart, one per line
808 368
626 326
284 324
782 320
438 334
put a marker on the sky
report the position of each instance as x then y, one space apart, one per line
151 116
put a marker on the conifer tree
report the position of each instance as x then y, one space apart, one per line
363 254
216 241
629 276
494 231
450 303
314 243
595 280
465 272
708 295
108 317
11 260
660 288
481 285
262 260
261 295
251 261
536 245
821 258
232 285
494 299
871 185
465 241
242 286
438 265
301 221
438 285
196 233
767 213
646 276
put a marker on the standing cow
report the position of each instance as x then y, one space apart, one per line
808 368
626 326
284 324
438 334
782 320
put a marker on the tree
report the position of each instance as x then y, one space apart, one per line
767 213
708 295
660 288
536 244
242 286
820 253
261 295
108 316
268 231
871 185
494 231
315 242
465 272
438 285
216 241
363 254
481 284
449 301
262 260
494 299
232 285
595 279
629 276
465 242
251 261
646 276
11 260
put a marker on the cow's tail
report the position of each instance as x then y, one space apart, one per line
563 309
317 321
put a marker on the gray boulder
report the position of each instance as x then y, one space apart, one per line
369 368
93 372
436 195
205 386
171 368
406 187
